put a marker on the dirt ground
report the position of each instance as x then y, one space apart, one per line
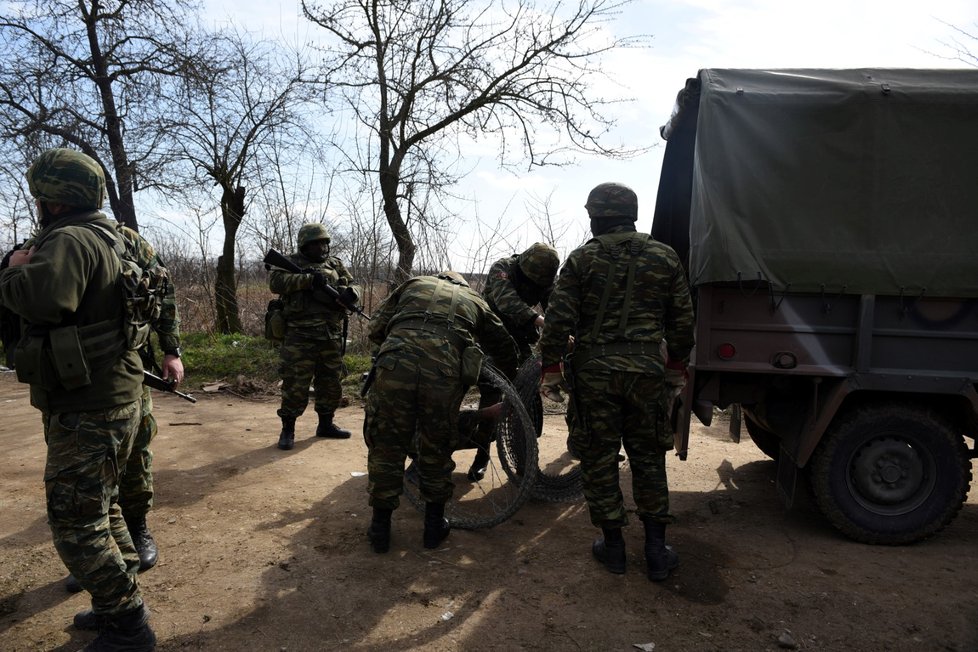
262 549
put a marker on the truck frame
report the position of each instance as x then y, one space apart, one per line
826 222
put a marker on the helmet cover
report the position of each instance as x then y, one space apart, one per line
612 200
65 176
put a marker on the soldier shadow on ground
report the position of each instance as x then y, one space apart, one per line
196 484
43 597
329 578
182 486
208 473
325 560
329 591
34 532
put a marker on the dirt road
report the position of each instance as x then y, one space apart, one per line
265 550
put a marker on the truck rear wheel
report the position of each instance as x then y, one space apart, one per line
890 474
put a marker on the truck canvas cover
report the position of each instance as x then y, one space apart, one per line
855 181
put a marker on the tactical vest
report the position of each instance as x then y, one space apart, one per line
67 355
620 249
443 325
308 306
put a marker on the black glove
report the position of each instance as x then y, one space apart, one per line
319 282
347 296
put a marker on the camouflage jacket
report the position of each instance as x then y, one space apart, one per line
304 307
620 295
72 280
417 318
514 298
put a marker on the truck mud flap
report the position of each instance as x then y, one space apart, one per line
736 422
787 478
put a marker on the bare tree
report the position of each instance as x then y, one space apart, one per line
233 116
421 76
19 218
963 45
86 73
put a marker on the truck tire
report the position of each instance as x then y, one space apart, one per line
767 441
890 474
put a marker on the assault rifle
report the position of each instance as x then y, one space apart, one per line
276 259
152 380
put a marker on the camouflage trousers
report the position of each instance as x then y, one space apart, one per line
412 411
622 408
310 359
136 483
86 452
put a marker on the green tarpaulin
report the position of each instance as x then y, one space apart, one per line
819 180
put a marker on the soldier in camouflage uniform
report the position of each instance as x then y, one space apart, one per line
515 287
87 384
312 351
136 484
136 488
620 295
425 336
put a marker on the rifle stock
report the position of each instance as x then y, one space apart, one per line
275 258
152 380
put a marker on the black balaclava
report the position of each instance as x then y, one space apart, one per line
602 225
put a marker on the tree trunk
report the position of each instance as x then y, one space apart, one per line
402 235
225 284
121 196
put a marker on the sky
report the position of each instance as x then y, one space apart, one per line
686 36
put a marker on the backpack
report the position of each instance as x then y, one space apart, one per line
143 287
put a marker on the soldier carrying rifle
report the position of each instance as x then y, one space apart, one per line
317 293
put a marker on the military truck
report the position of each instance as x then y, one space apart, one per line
828 222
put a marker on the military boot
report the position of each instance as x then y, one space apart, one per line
610 550
436 526
327 428
129 631
660 559
143 540
379 531
72 585
286 440
88 620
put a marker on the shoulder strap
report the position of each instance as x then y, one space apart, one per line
434 299
109 235
617 247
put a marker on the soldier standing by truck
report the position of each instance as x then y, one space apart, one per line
313 346
620 295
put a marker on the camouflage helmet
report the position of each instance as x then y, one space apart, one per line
312 232
539 263
65 176
612 200
454 277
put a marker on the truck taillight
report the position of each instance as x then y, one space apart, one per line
726 351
